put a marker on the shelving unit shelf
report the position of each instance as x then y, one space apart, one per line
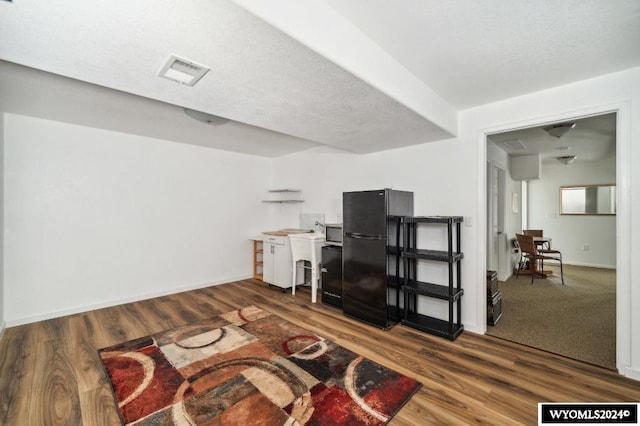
394 282
438 255
433 325
285 196
412 287
432 290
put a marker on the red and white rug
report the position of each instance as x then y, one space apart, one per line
249 367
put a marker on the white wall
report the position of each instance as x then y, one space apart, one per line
570 233
95 218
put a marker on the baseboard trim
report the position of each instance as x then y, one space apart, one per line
565 263
115 302
632 373
3 326
473 328
588 265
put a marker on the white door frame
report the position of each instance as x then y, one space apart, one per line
623 216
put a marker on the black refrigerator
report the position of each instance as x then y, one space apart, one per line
371 254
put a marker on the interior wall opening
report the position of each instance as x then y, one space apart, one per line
577 319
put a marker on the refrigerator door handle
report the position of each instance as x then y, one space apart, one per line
364 236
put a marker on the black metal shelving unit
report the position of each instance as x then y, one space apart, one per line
394 276
452 292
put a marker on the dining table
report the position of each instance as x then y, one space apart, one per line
542 242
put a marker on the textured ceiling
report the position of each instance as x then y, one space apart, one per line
592 138
474 52
356 75
39 94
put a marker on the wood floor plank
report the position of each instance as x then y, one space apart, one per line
15 373
54 398
82 350
51 370
99 408
156 312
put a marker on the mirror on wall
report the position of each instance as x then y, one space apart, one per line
588 200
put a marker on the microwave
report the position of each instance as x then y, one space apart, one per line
333 234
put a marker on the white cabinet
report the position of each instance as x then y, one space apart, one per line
277 261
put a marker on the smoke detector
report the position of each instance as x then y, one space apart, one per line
183 70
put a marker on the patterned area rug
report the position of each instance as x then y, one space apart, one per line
249 367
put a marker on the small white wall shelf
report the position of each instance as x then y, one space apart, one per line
284 196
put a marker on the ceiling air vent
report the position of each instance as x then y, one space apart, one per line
515 145
182 70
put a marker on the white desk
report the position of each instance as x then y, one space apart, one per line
307 247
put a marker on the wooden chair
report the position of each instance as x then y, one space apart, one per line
536 233
529 251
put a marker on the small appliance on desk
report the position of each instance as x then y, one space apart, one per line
333 234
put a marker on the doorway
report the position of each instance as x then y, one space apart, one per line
541 206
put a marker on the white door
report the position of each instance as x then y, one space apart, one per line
495 217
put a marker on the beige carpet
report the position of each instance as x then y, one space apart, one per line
577 320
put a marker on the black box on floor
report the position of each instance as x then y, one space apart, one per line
494 309
492 284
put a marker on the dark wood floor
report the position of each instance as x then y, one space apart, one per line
50 372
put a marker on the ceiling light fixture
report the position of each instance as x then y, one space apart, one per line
559 130
205 117
566 159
